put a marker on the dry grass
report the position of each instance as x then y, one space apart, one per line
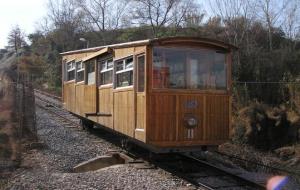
292 164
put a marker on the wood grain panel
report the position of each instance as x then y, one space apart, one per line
123 112
167 115
90 98
217 112
79 100
140 125
140 111
123 52
106 106
140 49
77 56
69 96
162 118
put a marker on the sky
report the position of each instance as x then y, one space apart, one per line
25 13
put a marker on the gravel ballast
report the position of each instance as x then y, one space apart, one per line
50 166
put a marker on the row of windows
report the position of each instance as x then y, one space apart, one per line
123 75
173 68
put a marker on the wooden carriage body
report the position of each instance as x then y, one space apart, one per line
169 93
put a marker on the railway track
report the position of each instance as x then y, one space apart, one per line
203 174
53 105
187 166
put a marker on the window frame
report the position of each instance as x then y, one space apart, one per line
86 70
227 63
82 69
72 68
138 73
105 70
131 69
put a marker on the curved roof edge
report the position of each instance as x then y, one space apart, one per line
208 41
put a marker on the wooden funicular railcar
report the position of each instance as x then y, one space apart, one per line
168 94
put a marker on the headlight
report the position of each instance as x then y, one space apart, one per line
191 121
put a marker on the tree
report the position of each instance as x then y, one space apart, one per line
16 38
103 15
291 24
162 13
64 24
236 17
270 13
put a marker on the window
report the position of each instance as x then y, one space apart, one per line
106 71
71 71
124 72
90 70
79 71
184 68
141 73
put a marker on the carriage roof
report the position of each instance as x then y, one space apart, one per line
159 41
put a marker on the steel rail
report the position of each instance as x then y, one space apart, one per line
48 94
56 113
242 179
285 171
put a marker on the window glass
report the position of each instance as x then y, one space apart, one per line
175 63
119 66
219 70
71 75
106 77
124 72
79 65
125 79
69 66
103 65
199 69
106 72
184 68
141 73
80 76
90 69
110 64
71 71
129 63
79 71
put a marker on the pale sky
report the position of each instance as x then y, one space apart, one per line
25 13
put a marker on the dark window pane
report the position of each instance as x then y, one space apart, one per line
141 73
219 70
90 68
79 65
125 79
110 64
71 75
119 66
80 76
106 77
129 63
103 65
